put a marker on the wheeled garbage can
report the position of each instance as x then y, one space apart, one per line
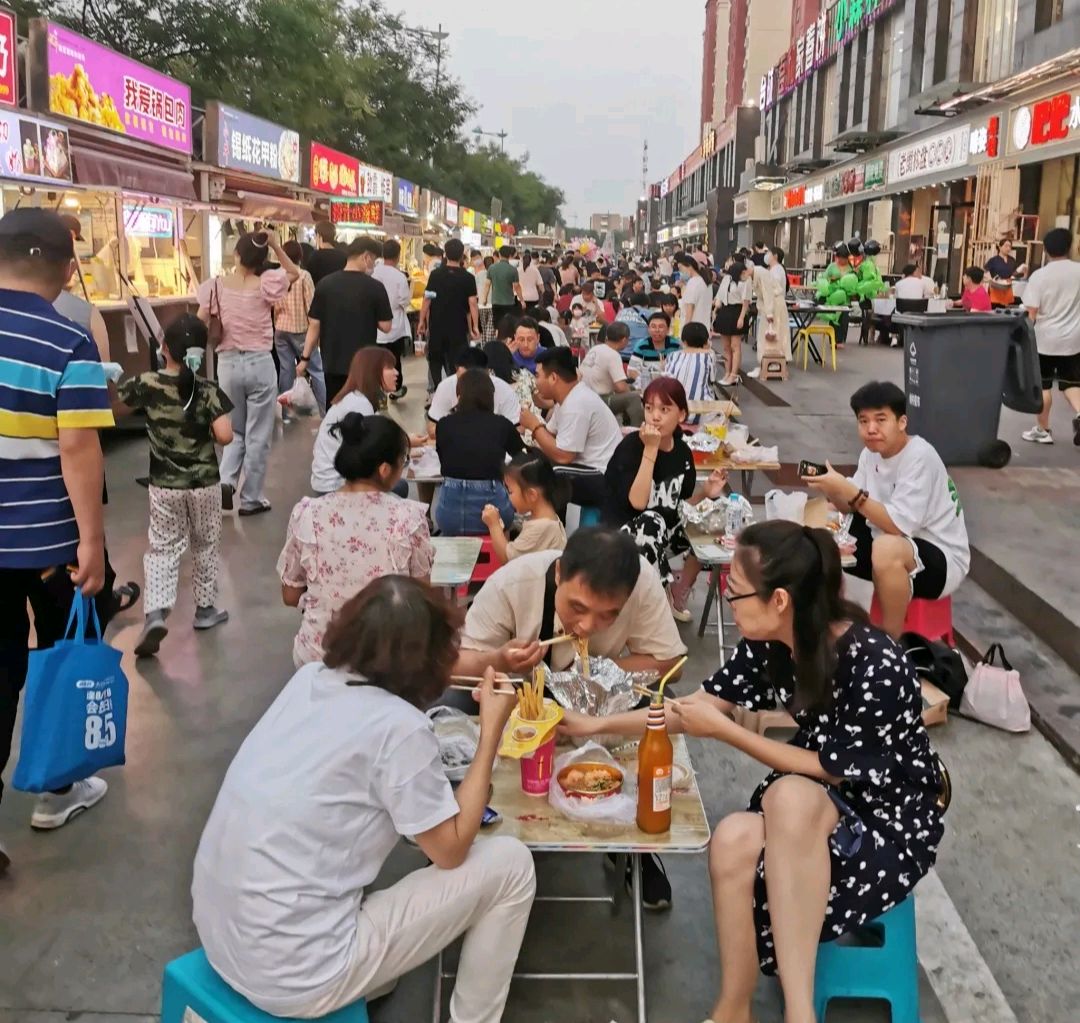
959 368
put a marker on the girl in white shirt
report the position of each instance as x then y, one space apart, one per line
532 283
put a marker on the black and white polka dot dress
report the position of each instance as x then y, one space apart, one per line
872 736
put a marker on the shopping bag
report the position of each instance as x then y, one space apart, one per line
300 398
75 708
994 695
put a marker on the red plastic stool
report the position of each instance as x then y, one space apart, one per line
486 565
929 618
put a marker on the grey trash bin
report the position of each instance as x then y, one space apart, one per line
959 368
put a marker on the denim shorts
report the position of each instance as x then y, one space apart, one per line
461 502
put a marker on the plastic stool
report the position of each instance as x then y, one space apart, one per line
191 983
828 334
889 972
487 564
929 618
590 516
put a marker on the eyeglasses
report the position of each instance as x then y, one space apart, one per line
732 598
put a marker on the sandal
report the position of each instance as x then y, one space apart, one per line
126 595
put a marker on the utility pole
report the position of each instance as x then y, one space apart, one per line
500 135
438 35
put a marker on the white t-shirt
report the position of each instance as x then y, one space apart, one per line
324 477
293 840
532 283
556 335
921 499
444 400
698 294
914 288
584 425
602 368
1054 290
399 291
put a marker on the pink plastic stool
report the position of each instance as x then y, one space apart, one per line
929 618
486 565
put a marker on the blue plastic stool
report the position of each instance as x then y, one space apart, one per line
890 972
590 516
191 983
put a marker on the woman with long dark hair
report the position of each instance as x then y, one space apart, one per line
243 303
850 816
293 843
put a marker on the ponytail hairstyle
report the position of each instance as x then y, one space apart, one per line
805 562
185 332
526 261
532 469
368 442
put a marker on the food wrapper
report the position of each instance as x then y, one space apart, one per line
516 748
607 690
707 515
755 454
708 443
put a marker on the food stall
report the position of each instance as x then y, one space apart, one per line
250 175
128 139
359 192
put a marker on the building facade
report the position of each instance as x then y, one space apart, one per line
601 222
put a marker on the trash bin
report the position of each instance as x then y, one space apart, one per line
959 368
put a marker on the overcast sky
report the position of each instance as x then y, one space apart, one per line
579 86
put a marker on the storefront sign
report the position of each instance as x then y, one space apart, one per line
833 29
91 83
408 197
1054 119
436 207
242 141
375 183
148 221
33 150
9 59
939 152
452 211
334 172
803 195
467 218
875 173
742 207
708 142
985 139
663 235
359 213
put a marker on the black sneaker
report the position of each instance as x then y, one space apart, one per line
655 886
1076 429
226 497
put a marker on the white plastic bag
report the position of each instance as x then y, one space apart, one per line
781 505
617 809
993 694
300 397
459 737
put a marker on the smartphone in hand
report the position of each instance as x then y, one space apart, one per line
812 468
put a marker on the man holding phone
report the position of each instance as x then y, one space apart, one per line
51 471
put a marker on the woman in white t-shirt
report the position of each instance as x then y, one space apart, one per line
696 303
532 283
732 310
293 842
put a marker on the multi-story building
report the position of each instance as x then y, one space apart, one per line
934 126
601 222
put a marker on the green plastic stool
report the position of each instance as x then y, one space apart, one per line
190 983
889 972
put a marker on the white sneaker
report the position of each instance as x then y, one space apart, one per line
754 373
1037 435
54 810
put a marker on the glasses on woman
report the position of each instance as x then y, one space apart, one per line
733 598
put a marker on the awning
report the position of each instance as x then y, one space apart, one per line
273 207
104 170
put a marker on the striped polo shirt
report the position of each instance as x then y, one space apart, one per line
50 379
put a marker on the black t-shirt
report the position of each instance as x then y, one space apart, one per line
1000 267
448 316
674 479
474 445
324 262
349 306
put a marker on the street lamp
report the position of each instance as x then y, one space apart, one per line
438 35
500 135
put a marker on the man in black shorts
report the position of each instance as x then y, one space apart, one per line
908 520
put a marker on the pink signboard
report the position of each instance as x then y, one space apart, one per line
91 83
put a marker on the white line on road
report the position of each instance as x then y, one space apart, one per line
962 981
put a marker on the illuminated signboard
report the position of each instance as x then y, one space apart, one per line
148 221
986 140
451 211
943 151
407 198
9 63
1053 119
333 172
375 183
363 213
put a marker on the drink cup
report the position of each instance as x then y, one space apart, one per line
536 769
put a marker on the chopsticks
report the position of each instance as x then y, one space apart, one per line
472 689
564 638
513 679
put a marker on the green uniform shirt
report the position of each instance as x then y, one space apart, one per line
182 455
503 276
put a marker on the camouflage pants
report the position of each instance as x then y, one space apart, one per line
179 519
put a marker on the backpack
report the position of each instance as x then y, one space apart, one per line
937 663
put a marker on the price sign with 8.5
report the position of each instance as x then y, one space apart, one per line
100 728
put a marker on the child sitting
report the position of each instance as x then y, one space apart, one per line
185 416
579 325
535 492
692 365
975 298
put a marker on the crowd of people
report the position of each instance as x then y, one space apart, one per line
521 424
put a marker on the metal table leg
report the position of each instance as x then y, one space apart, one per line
639 935
436 1008
714 575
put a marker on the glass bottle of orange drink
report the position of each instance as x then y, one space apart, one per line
655 757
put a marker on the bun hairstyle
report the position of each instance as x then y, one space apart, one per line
185 332
805 562
368 442
253 252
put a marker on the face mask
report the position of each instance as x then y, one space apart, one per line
193 359
768 259
680 276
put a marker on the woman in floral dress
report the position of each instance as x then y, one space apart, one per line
849 818
338 543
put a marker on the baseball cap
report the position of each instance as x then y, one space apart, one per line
37 232
73 224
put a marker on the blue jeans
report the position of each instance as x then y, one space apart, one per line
248 380
457 512
289 348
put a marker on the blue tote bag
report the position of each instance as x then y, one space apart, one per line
75 708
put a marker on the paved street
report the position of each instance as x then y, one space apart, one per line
91 913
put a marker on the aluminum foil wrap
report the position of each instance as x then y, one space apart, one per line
607 690
702 441
707 515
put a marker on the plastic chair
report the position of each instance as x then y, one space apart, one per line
590 516
888 969
190 983
826 332
929 618
486 565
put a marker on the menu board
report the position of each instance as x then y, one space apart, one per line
364 212
91 83
241 141
33 150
